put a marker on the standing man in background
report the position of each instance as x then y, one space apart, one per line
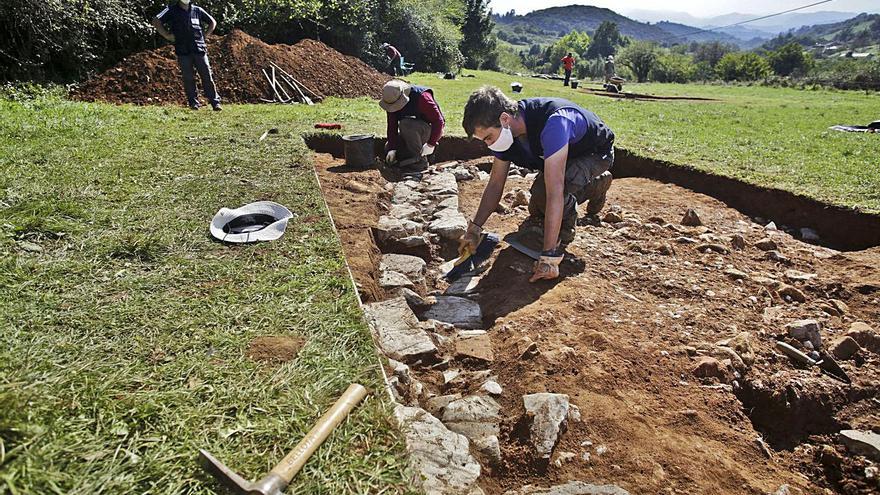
394 59
415 123
568 65
186 33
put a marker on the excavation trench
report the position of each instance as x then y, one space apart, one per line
639 329
840 228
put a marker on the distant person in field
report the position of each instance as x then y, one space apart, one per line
394 60
415 123
609 69
185 21
568 65
569 146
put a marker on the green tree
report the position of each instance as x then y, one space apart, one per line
673 68
789 59
712 52
574 42
606 40
742 66
640 57
478 44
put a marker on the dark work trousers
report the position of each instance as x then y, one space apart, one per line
587 178
414 134
200 61
567 77
394 67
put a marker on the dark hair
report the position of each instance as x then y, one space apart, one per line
569 54
484 107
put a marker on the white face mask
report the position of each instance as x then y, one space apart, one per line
504 141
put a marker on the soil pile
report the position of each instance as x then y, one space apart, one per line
237 59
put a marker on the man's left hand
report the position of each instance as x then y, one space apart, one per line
427 149
546 268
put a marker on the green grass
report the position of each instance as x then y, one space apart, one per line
122 343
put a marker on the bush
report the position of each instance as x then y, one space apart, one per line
673 68
789 60
640 57
742 66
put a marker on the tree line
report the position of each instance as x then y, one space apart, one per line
65 40
644 61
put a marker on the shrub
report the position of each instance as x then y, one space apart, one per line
742 66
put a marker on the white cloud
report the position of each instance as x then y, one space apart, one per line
699 8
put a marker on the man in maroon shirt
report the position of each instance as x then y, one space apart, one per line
394 58
415 123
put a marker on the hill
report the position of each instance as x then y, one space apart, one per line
861 32
547 25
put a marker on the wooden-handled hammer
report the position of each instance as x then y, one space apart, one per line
279 477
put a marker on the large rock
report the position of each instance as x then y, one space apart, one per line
389 228
397 330
742 344
865 335
709 367
391 280
691 219
477 418
766 244
440 458
549 413
448 223
404 212
406 194
845 348
570 488
806 330
440 185
866 443
474 346
457 311
411 266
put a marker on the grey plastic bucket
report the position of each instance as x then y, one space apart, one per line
574 84
359 150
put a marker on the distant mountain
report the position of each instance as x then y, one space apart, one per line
544 26
771 26
682 33
859 32
560 20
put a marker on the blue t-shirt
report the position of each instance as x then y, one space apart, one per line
564 126
186 26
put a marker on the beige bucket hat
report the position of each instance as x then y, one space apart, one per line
395 95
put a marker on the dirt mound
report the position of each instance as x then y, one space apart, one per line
152 77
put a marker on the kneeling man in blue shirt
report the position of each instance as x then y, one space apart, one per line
569 146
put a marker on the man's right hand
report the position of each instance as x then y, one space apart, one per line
391 157
471 239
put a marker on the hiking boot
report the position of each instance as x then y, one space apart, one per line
592 220
194 107
216 107
597 201
533 224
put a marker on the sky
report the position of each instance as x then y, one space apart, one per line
698 8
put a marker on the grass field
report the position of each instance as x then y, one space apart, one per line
775 137
124 328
